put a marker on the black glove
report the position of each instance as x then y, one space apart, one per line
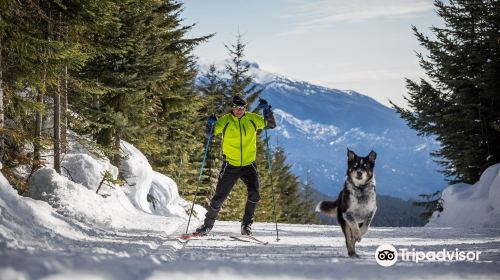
211 121
268 113
264 105
209 131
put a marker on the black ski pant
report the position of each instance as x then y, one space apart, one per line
227 178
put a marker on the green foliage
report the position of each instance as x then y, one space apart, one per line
287 201
431 203
218 93
459 104
308 205
240 81
108 179
130 76
36 46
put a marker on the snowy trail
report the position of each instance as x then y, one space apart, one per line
318 252
63 230
304 252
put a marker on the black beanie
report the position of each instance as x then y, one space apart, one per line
239 101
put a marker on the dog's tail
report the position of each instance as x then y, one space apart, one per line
328 207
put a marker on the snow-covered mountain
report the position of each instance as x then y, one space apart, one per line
317 124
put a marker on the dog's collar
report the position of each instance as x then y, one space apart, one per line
361 187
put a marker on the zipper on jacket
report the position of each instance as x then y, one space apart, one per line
241 144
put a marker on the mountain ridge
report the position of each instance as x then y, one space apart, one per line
317 124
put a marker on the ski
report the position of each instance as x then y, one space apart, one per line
191 236
184 238
187 237
249 238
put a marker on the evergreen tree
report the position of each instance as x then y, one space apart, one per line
212 90
270 204
32 57
123 72
460 103
431 203
143 79
15 72
1 95
307 209
287 188
240 79
239 82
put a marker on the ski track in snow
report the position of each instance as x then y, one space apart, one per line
303 252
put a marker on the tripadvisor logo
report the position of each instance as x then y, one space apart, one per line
387 255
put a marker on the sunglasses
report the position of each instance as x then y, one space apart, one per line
238 107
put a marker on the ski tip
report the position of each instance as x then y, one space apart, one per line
185 236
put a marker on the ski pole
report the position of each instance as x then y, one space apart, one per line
269 166
201 172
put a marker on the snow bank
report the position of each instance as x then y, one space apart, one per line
475 205
139 175
75 201
67 207
27 223
141 204
86 170
143 182
167 199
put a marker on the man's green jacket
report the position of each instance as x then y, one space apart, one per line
239 137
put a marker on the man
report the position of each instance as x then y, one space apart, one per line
239 147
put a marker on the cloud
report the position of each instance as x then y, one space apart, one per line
309 15
375 75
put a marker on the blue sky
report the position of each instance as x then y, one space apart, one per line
362 45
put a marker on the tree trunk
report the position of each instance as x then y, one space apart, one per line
38 131
64 115
64 131
57 130
117 157
57 119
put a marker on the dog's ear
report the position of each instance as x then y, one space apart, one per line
372 156
350 155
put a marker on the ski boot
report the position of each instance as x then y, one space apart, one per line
246 229
203 230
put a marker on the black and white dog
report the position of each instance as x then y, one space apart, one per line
357 202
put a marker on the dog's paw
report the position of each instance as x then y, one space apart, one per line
353 254
357 238
356 235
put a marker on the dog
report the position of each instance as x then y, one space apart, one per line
357 202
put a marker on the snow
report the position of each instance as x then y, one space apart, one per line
65 230
475 205
139 176
86 170
420 147
306 127
317 123
303 252
62 209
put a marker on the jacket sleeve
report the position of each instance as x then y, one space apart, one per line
261 124
219 125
